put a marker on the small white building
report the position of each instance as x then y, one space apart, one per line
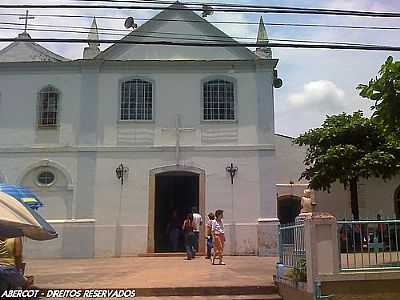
375 196
177 117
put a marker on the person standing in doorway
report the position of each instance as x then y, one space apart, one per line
218 234
187 228
197 222
211 218
173 231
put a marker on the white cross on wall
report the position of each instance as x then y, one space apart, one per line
26 19
178 131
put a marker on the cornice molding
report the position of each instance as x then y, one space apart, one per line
112 65
49 149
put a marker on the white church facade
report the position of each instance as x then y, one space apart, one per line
175 117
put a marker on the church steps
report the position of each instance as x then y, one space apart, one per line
210 291
168 254
220 297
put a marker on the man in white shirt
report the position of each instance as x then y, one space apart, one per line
197 222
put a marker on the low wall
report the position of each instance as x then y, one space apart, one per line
76 239
383 285
84 238
289 292
324 274
362 289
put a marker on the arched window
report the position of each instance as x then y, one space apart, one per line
136 100
48 113
218 100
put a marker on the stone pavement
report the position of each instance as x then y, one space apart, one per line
151 272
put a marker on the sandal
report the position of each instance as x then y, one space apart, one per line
28 281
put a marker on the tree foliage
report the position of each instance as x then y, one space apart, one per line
384 90
346 148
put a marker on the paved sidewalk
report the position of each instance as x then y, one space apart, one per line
150 272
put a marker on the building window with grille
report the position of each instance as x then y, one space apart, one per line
136 100
48 113
46 178
218 100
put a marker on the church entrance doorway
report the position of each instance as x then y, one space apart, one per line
288 208
176 193
173 191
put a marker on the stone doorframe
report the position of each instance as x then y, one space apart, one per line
152 199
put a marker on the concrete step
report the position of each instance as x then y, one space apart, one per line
207 291
220 297
168 254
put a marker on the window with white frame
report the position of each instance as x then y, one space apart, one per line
218 100
48 107
136 100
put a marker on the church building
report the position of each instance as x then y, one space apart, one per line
123 143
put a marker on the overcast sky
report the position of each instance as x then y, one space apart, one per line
316 82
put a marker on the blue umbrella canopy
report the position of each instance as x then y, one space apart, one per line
23 194
18 219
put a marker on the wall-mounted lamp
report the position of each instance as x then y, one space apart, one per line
122 172
232 171
277 82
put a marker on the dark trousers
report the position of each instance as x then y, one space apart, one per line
209 245
189 244
196 242
11 278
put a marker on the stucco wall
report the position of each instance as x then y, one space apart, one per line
89 103
90 143
243 202
289 159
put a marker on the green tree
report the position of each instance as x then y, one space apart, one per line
384 90
346 148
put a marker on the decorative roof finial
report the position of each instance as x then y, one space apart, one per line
262 38
93 37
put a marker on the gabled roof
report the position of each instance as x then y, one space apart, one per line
189 28
27 52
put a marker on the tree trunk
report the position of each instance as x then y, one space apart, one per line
354 199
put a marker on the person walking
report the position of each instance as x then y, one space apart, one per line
211 218
218 235
187 228
197 222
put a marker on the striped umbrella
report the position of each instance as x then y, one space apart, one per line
22 193
18 219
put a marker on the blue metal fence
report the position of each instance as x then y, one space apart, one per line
369 245
291 244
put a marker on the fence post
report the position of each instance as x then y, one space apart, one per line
280 249
322 252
